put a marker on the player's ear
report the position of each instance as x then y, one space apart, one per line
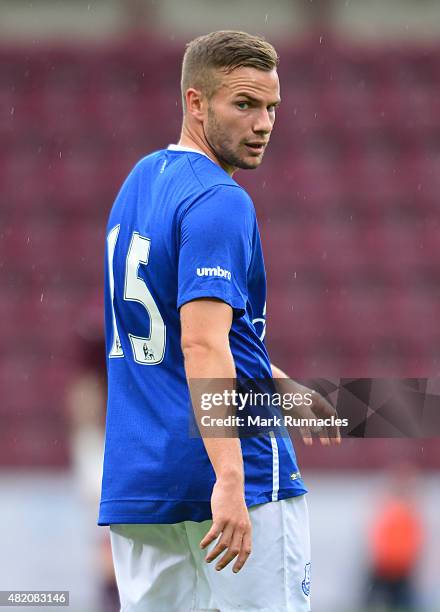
195 103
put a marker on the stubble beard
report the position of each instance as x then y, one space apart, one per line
221 146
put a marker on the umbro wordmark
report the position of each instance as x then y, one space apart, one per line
214 272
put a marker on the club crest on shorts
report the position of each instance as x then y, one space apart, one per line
305 584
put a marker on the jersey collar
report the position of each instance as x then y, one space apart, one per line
174 147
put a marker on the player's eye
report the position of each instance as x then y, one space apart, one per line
243 105
271 108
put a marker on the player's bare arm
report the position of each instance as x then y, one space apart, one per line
320 408
205 344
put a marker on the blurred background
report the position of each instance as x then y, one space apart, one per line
347 200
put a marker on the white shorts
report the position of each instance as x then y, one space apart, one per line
161 568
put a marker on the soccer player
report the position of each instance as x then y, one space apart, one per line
185 295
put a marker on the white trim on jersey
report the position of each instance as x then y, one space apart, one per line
275 467
174 147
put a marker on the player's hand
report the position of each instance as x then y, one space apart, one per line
230 521
320 409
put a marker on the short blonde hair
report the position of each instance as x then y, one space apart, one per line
225 50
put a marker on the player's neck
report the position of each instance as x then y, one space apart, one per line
193 141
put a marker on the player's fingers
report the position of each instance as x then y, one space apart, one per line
221 545
234 549
333 432
306 435
323 436
213 534
245 551
335 435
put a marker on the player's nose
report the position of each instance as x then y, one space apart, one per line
263 123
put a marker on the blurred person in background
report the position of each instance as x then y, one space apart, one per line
396 538
86 399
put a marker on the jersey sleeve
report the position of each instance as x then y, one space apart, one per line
215 248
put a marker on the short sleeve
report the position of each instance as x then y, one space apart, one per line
215 247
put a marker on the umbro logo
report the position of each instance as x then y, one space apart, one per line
214 272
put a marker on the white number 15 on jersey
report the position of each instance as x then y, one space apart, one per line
149 350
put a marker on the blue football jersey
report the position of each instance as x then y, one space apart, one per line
180 229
